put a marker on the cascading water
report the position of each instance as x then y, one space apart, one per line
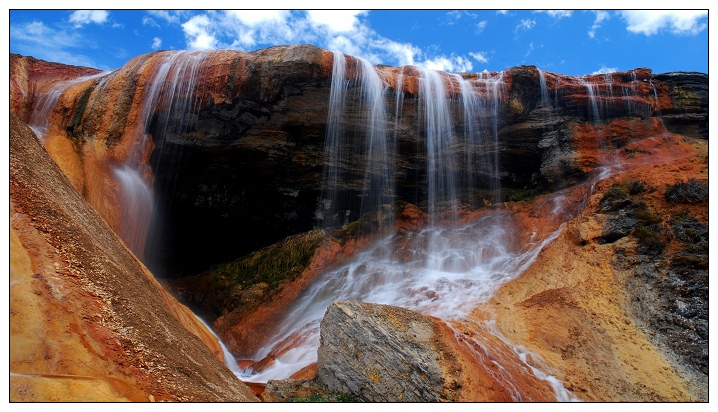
40 119
444 269
440 141
545 100
229 359
345 144
170 106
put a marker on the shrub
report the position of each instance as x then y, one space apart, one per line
649 240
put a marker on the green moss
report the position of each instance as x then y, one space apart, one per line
517 195
273 264
682 98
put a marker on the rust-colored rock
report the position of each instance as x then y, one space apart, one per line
269 107
88 322
576 306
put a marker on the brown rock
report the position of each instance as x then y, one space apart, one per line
383 353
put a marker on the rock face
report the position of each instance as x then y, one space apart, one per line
618 302
688 111
383 353
88 322
244 151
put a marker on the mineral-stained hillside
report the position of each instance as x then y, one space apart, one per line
88 322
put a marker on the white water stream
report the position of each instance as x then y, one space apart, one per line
47 102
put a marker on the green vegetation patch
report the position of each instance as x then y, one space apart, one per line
272 265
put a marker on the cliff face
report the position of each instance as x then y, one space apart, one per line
88 322
236 141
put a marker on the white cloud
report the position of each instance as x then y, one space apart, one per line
156 43
404 54
42 36
336 21
455 15
197 32
43 42
531 48
457 64
342 30
503 12
251 27
170 16
601 15
480 27
605 70
557 14
479 56
259 17
81 17
149 21
526 24
650 22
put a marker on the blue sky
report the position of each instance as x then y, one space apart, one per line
573 42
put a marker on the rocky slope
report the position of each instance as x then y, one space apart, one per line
88 322
618 303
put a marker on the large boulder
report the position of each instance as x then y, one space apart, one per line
383 353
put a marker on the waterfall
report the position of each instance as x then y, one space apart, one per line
545 102
594 114
229 359
444 269
347 144
169 106
378 187
440 141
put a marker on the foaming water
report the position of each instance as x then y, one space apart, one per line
464 268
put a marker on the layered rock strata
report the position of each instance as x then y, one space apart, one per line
383 353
